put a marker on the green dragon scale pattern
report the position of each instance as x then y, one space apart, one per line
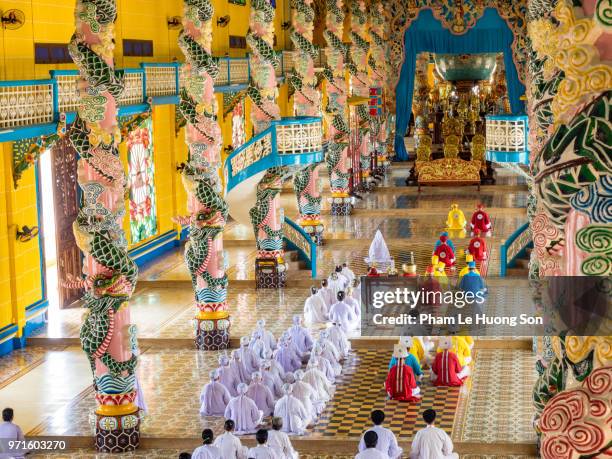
268 188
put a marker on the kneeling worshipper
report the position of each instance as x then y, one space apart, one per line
248 356
370 440
329 352
270 378
456 218
401 383
279 441
478 247
348 298
462 347
325 338
262 450
207 450
448 241
292 412
229 444
411 360
466 268
337 282
446 369
285 356
342 314
258 344
445 253
432 442
261 394
356 290
327 293
214 397
315 308
239 368
481 221
305 393
267 335
228 375
297 354
387 443
319 382
378 254
472 281
275 366
243 411
323 364
339 339
300 336
348 273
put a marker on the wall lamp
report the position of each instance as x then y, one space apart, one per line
223 20
26 233
285 25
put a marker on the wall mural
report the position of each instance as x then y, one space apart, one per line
141 180
458 16
569 104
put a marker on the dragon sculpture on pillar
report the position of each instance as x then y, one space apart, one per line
306 102
270 269
570 110
336 157
204 254
107 337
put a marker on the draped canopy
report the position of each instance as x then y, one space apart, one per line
490 34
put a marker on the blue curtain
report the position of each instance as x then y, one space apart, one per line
490 34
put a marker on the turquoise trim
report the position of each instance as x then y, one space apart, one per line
508 117
508 157
41 232
231 88
154 248
10 83
311 262
8 330
165 100
26 132
503 250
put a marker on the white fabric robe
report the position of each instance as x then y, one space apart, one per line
206 452
337 285
273 383
387 443
300 336
348 273
240 370
338 337
286 357
293 414
306 394
315 309
278 370
432 443
355 305
280 443
326 368
229 378
268 338
328 354
356 294
262 452
371 453
327 294
259 348
249 358
230 446
342 314
262 396
214 399
323 388
245 414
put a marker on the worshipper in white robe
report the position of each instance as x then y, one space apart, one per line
248 356
378 253
267 334
355 305
207 450
262 450
337 283
277 368
356 290
342 313
323 364
316 378
239 368
243 411
270 379
292 346
229 444
432 442
279 441
292 412
315 308
261 394
258 345
329 352
338 337
348 273
286 357
214 397
324 338
387 443
370 438
305 393
326 293
9 431
300 336
228 376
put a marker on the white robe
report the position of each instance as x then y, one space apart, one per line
329 355
273 383
356 307
306 394
338 337
356 294
327 294
8 432
326 368
243 411
262 452
387 443
280 443
230 446
268 338
262 396
337 285
432 443
300 336
259 348
206 452
348 273
240 370
315 310
323 388
229 378
342 314
214 399
371 453
249 358
293 414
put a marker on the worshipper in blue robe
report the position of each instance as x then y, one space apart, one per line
411 360
472 281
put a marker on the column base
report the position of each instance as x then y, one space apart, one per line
117 433
267 274
211 335
342 208
315 234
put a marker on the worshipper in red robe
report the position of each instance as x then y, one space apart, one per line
478 247
446 369
480 221
373 272
444 252
401 383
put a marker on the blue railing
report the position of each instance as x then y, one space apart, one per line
287 142
513 247
30 108
297 239
507 139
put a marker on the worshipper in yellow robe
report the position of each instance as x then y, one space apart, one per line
466 268
462 349
456 218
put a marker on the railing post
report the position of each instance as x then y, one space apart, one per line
144 83
248 68
55 98
177 67
229 72
503 259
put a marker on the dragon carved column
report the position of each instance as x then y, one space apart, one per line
265 215
336 157
204 254
306 102
107 336
570 108
358 68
